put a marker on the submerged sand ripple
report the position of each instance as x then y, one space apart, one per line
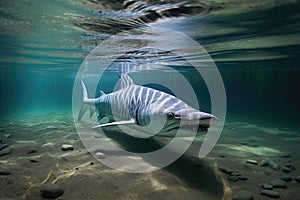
82 177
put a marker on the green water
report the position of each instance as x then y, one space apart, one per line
254 45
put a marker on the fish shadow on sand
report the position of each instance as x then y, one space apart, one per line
196 173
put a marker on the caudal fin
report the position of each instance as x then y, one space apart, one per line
84 106
84 91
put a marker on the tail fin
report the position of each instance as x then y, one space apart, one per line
84 106
84 91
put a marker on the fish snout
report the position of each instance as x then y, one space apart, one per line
207 120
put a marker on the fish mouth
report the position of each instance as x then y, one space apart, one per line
200 125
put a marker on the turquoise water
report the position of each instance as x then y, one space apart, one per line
254 45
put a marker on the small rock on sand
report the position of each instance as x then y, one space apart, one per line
233 178
34 160
7 135
226 170
287 178
297 179
5 151
32 150
254 162
264 163
286 156
100 155
272 164
243 178
235 174
4 172
270 193
292 167
67 147
267 186
287 170
3 145
242 195
278 183
51 191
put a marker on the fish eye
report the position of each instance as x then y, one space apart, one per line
171 115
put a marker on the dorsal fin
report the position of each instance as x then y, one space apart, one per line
101 93
125 81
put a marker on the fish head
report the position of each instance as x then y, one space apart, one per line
188 120
167 120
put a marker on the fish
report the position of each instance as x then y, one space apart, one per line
154 111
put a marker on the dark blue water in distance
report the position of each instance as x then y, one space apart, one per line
254 45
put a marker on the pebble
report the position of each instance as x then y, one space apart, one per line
243 143
2 146
270 193
272 164
254 162
7 135
287 170
32 150
226 170
287 178
242 195
264 163
233 178
67 147
51 191
4 172
243 178
235 174
292 167
267 186
100 155
297 179
286 156
33 160
278 183
5 151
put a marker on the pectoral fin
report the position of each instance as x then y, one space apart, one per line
116 123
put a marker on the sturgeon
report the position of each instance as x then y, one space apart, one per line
155 111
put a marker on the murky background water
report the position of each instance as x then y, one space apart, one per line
254 44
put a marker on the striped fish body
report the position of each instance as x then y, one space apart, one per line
152 109
138 102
